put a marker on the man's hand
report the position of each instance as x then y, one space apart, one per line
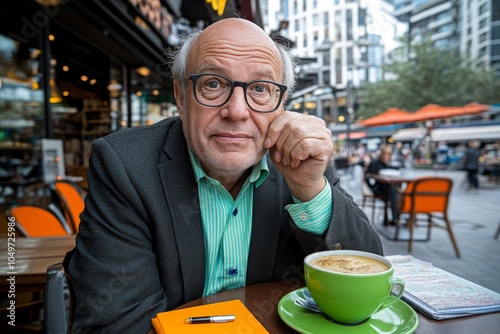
300 146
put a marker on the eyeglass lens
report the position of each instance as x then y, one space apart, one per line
214 90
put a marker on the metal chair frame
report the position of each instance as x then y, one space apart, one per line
57 300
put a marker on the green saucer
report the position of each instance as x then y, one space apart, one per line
397 318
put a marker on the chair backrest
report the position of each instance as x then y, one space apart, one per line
427 195
72 202
365 189
57 300
32 221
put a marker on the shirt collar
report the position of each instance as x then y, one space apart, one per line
259 173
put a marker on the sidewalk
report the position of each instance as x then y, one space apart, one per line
475 217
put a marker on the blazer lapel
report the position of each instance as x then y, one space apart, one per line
265 229
181 191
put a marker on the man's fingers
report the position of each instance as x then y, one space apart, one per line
276 129
294 138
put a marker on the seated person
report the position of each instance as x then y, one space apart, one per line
235 191
378 188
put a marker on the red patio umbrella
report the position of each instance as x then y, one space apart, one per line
388 117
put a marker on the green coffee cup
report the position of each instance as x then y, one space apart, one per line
352 296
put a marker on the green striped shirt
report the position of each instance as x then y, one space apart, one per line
227 224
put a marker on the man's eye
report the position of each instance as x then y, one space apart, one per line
260 88
212 84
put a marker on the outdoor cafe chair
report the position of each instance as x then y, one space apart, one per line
372 199
429 196
33 221
71 199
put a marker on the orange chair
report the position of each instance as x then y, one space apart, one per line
71 198
430 196
32 221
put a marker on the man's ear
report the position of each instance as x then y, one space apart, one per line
179 98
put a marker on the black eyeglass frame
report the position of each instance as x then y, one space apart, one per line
194 78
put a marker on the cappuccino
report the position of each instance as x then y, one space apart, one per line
350 264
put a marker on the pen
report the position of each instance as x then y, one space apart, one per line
210 319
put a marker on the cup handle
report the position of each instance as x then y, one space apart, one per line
395 294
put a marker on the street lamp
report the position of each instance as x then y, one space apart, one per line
350 113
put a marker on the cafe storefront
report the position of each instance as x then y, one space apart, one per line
78 70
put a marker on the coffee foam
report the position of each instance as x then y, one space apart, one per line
350 264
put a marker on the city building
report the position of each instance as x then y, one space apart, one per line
434 19
471 26
341 46
480 32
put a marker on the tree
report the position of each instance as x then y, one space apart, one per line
421 74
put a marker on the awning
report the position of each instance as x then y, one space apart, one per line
409 134
488 132
353 135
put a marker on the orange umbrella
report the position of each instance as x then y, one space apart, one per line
388 117
475 108
434 111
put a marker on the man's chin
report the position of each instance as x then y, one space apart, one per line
234 162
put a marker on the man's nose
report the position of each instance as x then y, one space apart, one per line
236 107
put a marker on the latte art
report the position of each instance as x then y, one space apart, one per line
350 264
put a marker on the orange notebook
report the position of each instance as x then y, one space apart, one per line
173 321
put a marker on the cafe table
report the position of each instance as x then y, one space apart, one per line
389 178
262 300
30 260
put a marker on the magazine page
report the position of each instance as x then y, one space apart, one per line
440 294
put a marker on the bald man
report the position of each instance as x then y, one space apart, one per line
234 191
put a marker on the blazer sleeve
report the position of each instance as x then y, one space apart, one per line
113 269
349 226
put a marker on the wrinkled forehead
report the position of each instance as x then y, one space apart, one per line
236 39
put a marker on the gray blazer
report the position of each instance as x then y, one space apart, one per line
140 248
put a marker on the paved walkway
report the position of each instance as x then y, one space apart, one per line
475 217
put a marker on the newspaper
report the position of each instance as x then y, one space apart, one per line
439 294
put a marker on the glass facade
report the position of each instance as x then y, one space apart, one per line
21 81
62 78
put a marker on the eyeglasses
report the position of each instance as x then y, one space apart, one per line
213 90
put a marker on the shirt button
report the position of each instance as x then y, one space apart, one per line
303 216
232 271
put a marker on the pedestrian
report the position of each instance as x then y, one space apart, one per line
471 163
388 190
235 191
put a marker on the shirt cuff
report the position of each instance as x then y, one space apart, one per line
313 216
